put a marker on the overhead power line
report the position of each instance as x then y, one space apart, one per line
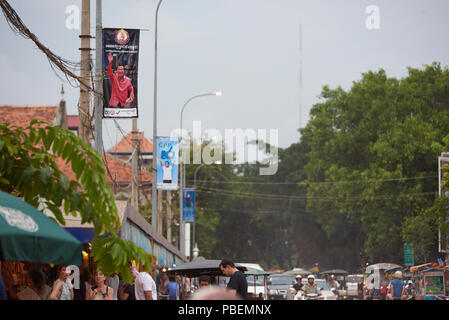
17 26
304 212
314 183
265 196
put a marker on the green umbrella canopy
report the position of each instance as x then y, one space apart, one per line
26 234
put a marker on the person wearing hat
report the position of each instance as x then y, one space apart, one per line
298 285
310 286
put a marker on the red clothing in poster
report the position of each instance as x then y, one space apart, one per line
120 87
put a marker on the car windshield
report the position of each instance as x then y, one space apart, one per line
279 280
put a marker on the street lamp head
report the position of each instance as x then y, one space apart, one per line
218 93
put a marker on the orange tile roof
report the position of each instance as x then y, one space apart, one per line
73 121
21 116
121 172
125 145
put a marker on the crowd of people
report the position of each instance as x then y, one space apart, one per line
397 289
98 286
40 285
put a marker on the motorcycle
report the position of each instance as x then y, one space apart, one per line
309 296
340 294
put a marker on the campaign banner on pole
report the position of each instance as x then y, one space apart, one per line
167 163
188 206
120 66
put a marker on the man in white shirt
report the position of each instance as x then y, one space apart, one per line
145 287
167 174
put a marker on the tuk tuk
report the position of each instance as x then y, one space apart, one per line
379 293
189 273
257 279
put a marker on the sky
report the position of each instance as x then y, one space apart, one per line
248 49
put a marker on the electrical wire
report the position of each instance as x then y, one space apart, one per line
302 212
264 196
315 183
56 62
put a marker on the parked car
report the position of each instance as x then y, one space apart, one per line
279 284
352 285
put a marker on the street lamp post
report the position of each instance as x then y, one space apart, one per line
154 171
181 174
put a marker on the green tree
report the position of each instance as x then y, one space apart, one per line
374 137
30 160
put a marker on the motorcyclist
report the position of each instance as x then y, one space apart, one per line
310 286
298 285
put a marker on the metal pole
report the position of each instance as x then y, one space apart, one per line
443 158
194 222
135 176
439 194
154 182
99 84
181 233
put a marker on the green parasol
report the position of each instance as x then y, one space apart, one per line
26 234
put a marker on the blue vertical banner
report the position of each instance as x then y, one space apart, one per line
188 206
167 163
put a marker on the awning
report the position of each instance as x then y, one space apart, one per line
84 235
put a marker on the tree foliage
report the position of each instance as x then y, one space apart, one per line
30 167
361 181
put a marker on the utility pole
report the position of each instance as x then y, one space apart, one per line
160 212
83 109
135 164
169 216
99 80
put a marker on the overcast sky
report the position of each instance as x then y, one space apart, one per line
248 49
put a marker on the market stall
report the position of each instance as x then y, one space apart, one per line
432 281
